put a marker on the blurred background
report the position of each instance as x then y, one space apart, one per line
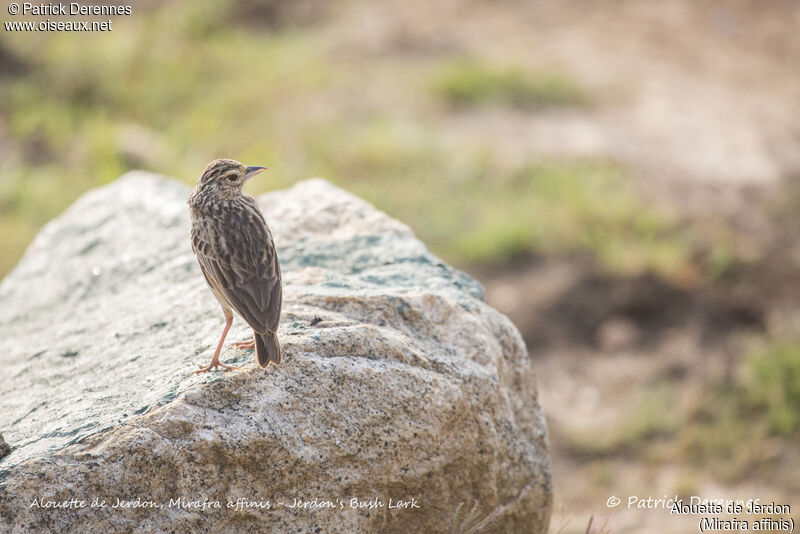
622 176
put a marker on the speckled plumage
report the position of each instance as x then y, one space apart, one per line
237 254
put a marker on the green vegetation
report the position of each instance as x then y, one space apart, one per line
169 97
742 425
470 208
469 83
731 428
771 386
152 95
763 402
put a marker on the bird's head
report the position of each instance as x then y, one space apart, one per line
226 177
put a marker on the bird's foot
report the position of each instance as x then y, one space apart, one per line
214 364
239 345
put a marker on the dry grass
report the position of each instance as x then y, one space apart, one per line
472 522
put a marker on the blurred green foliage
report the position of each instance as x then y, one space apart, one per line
743 427
468 83
736 422
771 385
174 87
470 207
730 428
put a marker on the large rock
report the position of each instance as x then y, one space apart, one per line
399 381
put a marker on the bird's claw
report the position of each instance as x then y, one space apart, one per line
213 365
239 345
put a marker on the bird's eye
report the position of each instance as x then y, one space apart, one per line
231 177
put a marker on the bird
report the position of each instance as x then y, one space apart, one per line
237 256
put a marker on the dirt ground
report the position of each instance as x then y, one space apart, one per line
691 93
599 344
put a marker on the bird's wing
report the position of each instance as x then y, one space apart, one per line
239 259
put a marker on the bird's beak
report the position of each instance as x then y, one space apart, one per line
252 171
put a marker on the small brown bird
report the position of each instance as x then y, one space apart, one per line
237 256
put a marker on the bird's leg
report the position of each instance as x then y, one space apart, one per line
245 344
215 360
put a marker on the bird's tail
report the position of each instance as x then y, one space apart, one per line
267 349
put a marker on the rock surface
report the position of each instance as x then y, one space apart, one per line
5 450
399 381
